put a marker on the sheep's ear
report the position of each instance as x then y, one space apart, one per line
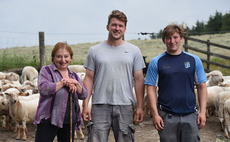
7 94
208 75
21 94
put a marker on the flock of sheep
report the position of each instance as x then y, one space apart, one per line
19 98
218 99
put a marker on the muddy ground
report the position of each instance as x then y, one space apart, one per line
145 132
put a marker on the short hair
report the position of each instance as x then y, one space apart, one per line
60 45
118 15
171 29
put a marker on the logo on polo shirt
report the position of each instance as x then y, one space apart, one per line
187 65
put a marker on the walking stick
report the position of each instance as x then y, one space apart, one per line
70 94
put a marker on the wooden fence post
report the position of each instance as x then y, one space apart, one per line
208 55
42 49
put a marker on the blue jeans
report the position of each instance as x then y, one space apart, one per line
117 117
179 128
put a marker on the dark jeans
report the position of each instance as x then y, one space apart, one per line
46 132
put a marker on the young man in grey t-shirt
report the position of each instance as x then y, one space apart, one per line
113 68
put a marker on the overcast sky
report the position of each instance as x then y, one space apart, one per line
90 16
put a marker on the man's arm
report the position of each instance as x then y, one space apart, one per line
139 89
202 96
152 98
88 83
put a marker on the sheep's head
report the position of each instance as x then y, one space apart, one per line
4 102
12 93
12 76
215 77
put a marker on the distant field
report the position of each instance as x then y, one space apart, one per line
19 57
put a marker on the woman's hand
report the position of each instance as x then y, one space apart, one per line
74 85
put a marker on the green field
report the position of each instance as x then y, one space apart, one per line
19 57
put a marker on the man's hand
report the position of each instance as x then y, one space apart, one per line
86 114
158 122
139 115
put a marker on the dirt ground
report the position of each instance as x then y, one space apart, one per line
145 132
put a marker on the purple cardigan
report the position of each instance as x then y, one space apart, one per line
53 105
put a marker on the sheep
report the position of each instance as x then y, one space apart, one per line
226 78
81 108
29 73
2 75
212 92
77 68
35 82
30 97
214 78
226 83
226 118
21 111
81 75
222 97
4 112
12 76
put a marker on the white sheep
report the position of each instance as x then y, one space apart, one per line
226 83
4 112
12 76
77 68
214 78
222 97
29 73
212 92
2 75
227 118
21 111
81 75
79 132
30 97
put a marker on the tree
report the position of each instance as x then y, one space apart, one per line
159 35
215 23
226 22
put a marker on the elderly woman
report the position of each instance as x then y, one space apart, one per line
56 83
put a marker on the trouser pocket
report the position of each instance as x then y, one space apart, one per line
127 133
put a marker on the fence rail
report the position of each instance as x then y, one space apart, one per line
207 52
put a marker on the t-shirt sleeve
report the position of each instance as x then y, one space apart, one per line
89 62
138 61
152 73
200 76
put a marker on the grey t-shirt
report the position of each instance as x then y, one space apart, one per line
114 68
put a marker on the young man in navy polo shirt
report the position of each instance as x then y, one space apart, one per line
174 72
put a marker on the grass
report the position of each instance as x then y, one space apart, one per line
18 57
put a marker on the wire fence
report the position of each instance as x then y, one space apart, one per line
23 39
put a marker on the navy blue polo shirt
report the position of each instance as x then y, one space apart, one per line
175 75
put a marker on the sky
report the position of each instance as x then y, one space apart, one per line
90 16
